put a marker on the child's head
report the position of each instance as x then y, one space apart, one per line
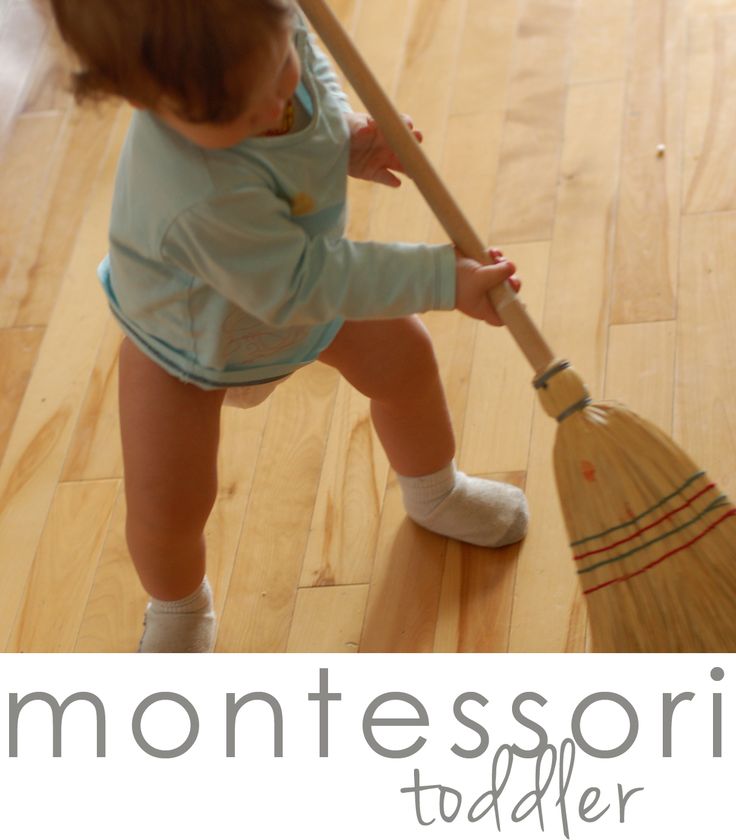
216 70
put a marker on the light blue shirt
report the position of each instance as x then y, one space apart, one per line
230 266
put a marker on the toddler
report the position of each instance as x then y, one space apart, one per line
228 270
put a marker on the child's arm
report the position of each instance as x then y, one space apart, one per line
246 246
371 158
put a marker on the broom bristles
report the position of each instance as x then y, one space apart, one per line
654 540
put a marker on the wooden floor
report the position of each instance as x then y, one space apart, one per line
545 116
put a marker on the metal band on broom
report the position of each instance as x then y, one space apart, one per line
654 541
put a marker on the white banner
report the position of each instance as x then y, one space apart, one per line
367 746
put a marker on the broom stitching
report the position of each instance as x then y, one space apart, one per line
731 512
656 522
641 515
716 503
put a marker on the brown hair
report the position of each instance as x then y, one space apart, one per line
183 50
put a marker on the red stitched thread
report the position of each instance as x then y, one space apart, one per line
663 557
642 530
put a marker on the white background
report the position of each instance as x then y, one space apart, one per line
354 792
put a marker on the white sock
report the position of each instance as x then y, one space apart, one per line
184 626
474 510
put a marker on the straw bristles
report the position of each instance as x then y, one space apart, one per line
654 540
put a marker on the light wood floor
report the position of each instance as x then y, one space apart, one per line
545 117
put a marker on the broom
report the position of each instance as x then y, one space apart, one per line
653 539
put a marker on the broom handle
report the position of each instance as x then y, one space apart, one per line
420 170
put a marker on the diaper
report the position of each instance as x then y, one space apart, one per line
249 396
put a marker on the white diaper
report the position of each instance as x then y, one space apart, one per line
249 396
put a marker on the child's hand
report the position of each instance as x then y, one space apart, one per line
370 155
474 280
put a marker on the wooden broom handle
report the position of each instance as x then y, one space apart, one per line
418 167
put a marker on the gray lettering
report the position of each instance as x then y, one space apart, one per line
57 712
717 674
623 799
193 724
613 698
586 807
471 724
324 698
668 708
530 724
369 721
232 709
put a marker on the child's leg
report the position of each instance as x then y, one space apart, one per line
170 434
393 363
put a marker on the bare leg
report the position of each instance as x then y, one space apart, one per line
170 434
393 363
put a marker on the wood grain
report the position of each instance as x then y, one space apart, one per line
602 42
705 406
328 620
641 369
40 437
476 597
63 568
544 117
18 351
648 224
533 133
260 597
710 167
548 614
45 249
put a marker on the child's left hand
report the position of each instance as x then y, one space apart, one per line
371 158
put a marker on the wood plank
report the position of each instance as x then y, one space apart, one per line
343 533
705 407
327 620
18 351
530 155
23 31
640 369
648 219
710 7
241 433
474 613
433 42
23 182
48 84
501 398
548 612
477 111
37 447
709 165
31 288
114 614
112 621
95 450
342 538
63 568
481 72
602 42
262 589
379 30
406 585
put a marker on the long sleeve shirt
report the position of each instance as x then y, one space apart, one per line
231 266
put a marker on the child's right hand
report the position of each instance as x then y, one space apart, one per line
473 282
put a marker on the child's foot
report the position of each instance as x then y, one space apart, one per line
474 510
184 626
